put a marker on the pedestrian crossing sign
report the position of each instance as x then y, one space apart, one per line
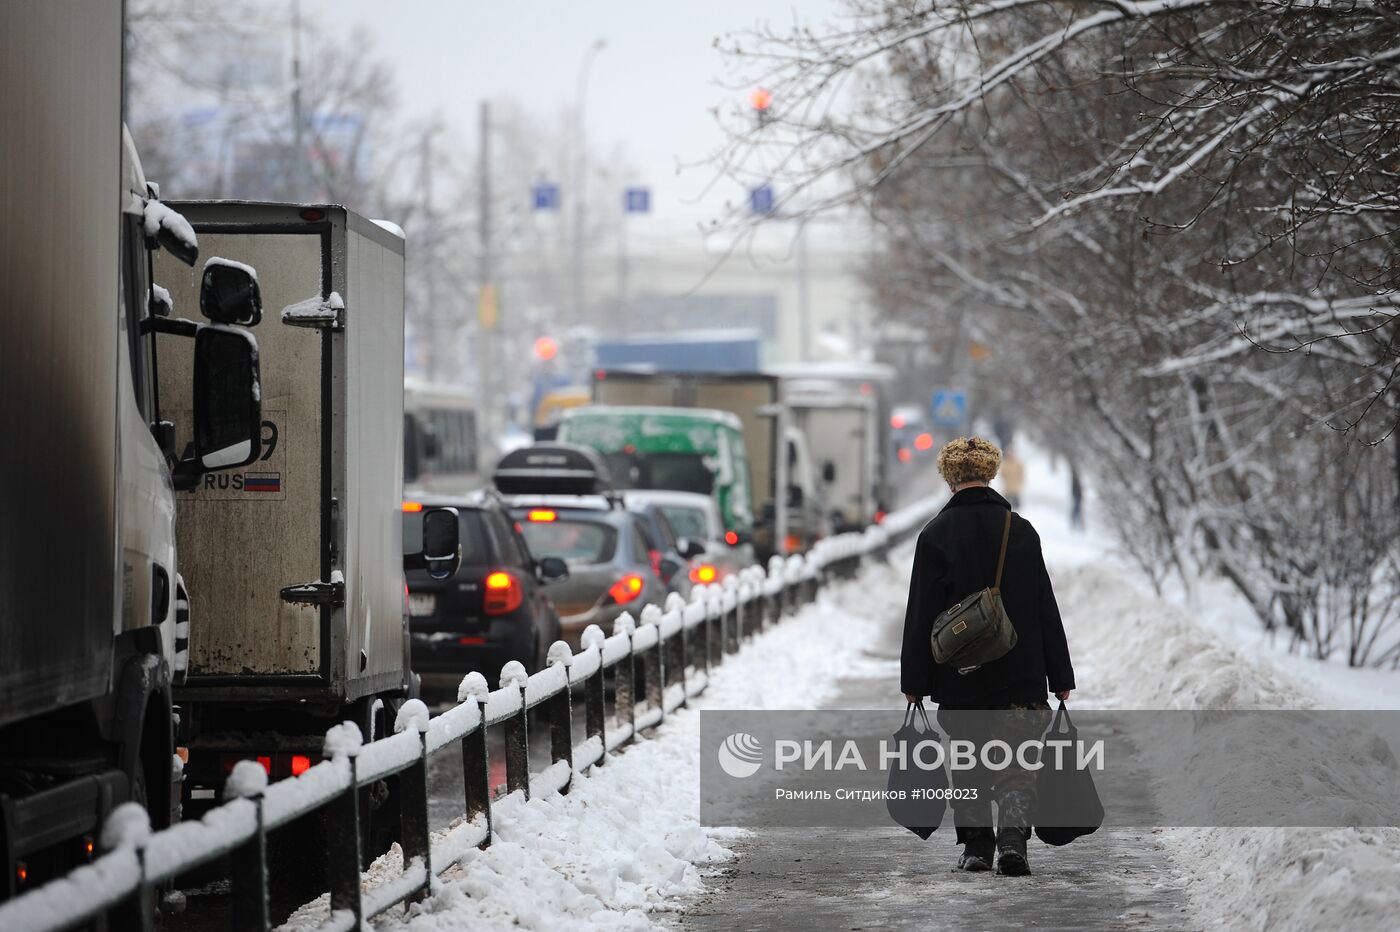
949 408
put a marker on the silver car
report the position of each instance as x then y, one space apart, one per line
696 517
611 569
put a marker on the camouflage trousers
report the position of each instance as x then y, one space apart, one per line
1011 788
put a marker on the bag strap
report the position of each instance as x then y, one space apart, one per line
1001 557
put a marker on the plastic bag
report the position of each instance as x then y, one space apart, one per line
1066 797
925 792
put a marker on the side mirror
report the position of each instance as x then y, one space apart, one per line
552 570
227 398
442 542
229 293
690 548
828 472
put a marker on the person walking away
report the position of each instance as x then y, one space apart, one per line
956 556
1076 499
1013 478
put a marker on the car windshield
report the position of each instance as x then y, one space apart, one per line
473 535
572 541
687 522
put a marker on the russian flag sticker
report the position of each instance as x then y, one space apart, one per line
262 482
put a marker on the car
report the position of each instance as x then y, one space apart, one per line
495 608
714 553
670 555
562 498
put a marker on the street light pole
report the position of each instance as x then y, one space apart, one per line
581 175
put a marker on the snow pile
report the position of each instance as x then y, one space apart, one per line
246 779
343 740
1145 652
221 262
155 216
127 826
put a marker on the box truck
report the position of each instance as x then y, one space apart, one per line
90 592
295 562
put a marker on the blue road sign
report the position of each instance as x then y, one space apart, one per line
545 195
762 199
949 407
637 200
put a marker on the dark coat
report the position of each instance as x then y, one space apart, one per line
957 556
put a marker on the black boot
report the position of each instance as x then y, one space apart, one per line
1011 852
978 852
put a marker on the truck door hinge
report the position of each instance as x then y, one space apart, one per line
315 593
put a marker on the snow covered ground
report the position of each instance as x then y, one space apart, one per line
1135 650
625 848
626 844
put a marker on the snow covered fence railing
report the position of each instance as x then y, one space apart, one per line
656 667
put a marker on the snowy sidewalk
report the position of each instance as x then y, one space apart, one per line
887 878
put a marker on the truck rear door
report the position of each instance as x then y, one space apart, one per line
244 535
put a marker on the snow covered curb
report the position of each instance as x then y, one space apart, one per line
626 844
1145 652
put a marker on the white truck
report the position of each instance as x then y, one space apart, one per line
295 562
90 591
843 410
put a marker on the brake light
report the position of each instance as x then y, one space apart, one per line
879 517
412 507
503 593
626 589
731 538
300 764
792 543
266 764
655 562
542 514
704 573
904 455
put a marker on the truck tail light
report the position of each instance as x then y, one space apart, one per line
503 593
300 764
704 573
626 589
412 507
731 538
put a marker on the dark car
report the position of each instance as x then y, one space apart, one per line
495 608
670 553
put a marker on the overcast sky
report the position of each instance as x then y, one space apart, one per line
650 90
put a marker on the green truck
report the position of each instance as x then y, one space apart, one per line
687 449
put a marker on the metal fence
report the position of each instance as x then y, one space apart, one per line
656 666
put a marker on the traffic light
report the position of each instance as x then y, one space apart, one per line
761 99
546 349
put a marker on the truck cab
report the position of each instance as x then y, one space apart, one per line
90 594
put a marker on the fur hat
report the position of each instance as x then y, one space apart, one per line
969 459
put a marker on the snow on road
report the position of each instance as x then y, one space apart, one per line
626 844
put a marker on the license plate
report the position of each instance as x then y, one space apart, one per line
421 604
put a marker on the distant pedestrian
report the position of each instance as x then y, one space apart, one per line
1076 499
955 558
1013 478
